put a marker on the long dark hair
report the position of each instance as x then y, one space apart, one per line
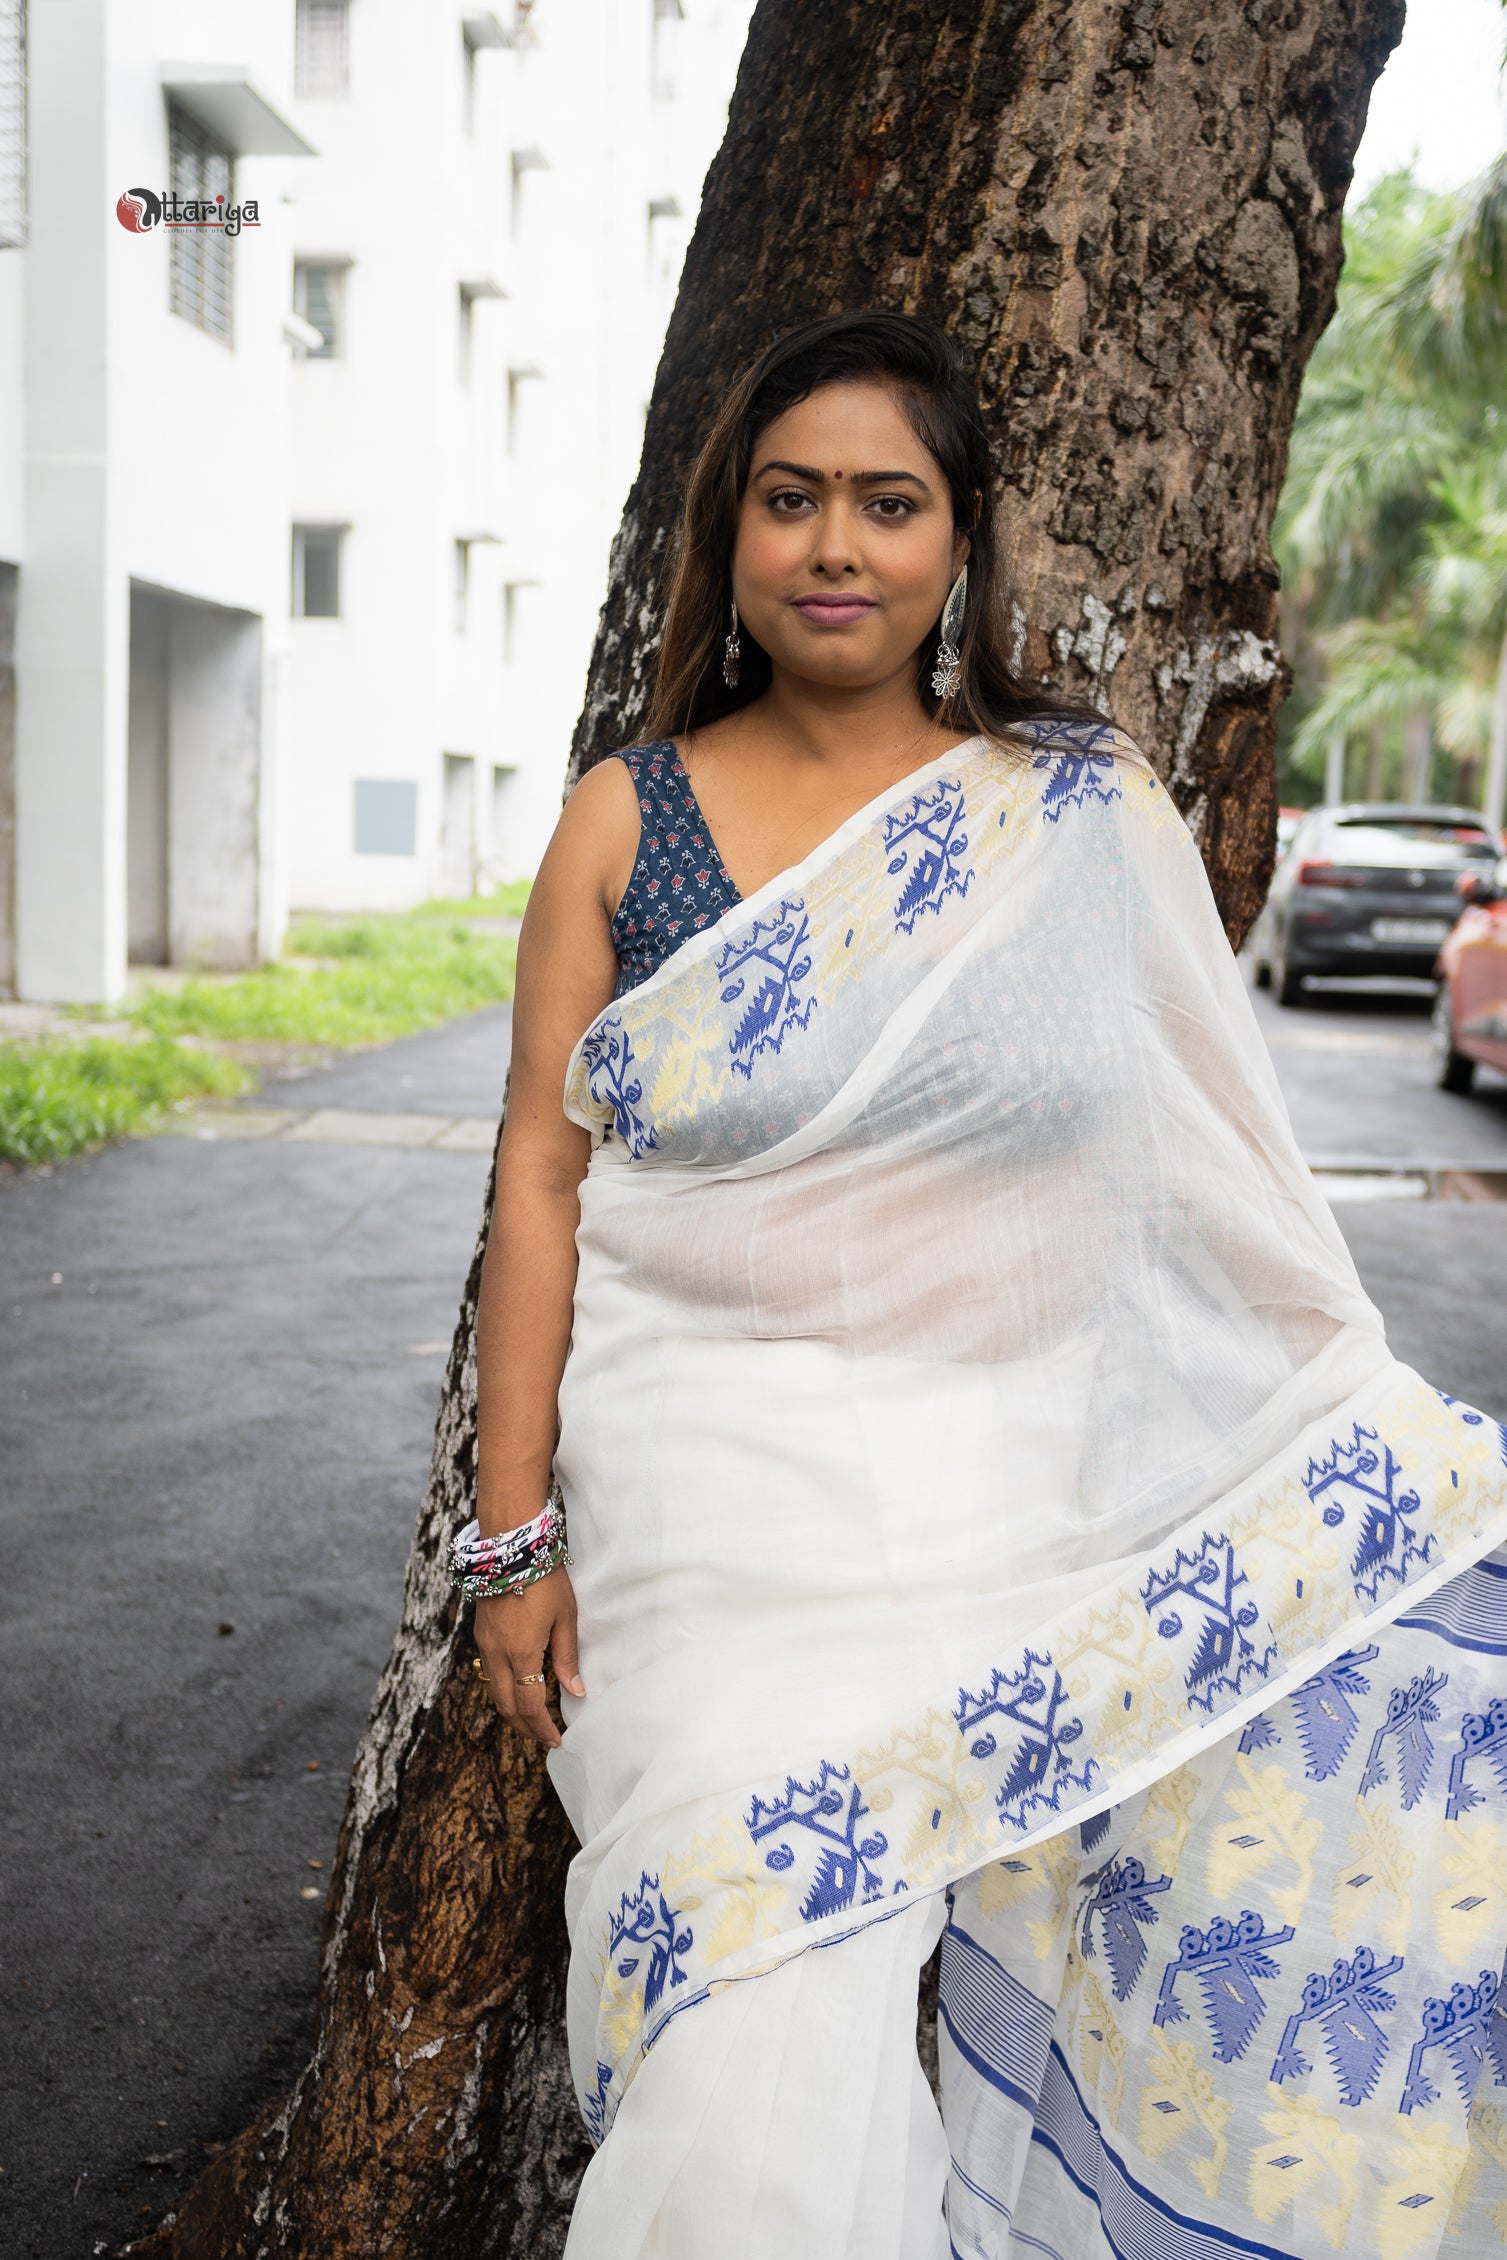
929 377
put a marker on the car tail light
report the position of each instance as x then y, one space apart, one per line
1328 875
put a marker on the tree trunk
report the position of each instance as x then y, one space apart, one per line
1129 216
1128 212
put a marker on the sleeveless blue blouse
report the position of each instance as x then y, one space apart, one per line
679 883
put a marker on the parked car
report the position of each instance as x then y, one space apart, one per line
1470 1011
1366 887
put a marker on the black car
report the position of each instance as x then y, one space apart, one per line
1366 887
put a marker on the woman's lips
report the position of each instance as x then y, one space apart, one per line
834 611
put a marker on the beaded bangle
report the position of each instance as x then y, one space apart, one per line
511 1560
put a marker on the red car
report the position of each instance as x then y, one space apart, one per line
1470 1013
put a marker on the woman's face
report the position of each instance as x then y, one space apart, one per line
845 546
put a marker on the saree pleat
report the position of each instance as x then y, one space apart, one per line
793 2118
993 1502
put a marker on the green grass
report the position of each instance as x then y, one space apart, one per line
393 974
503 902
61 1098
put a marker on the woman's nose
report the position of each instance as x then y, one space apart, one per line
835 548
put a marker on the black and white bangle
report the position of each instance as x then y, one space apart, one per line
510 1560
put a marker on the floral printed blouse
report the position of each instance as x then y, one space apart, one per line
679 883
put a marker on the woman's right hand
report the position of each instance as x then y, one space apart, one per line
515 1633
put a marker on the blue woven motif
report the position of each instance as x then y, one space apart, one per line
645 1920
1121 1899
1084 771
1345 2005
1223 1655
1468 2029
1038 1772
824 1815
1226 1959
1327 1718
926 841
1367 1473
1482 1735
770 958
595 2109
1411 1711
608 1059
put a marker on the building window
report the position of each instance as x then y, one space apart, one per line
387 816
12 123
199 271
321 53
513 604
319 296
661 83
522 163
502 853
462 585
517 380
316 572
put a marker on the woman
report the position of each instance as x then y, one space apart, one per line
995 1514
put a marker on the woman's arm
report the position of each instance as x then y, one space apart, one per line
567 969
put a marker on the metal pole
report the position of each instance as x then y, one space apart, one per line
1496 760
1334 770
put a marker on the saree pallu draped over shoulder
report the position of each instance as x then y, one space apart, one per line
996 1512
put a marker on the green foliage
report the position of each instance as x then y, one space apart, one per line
59 1098
1392 530
389 976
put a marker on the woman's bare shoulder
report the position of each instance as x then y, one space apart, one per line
595 842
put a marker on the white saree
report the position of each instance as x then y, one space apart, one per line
997 1515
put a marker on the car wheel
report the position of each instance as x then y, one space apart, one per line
1452 1070
1286 985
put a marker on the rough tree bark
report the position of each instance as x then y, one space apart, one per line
1128 211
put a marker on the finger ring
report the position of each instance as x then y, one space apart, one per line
528 1679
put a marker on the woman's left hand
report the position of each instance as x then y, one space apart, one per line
515 1633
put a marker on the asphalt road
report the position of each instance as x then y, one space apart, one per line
1355 1066
223 1362
222 1365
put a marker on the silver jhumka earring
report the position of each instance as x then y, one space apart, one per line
949 667
732 652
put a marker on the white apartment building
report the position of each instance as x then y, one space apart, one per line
304 528
466 434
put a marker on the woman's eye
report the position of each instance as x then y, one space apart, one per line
788 500
893 507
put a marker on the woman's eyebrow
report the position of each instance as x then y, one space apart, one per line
859 478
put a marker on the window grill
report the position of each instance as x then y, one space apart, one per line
321 50
12 123
318 288
199 269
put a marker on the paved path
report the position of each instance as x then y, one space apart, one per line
224 1353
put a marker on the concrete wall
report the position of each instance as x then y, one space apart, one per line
71 639
9 577
148 452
